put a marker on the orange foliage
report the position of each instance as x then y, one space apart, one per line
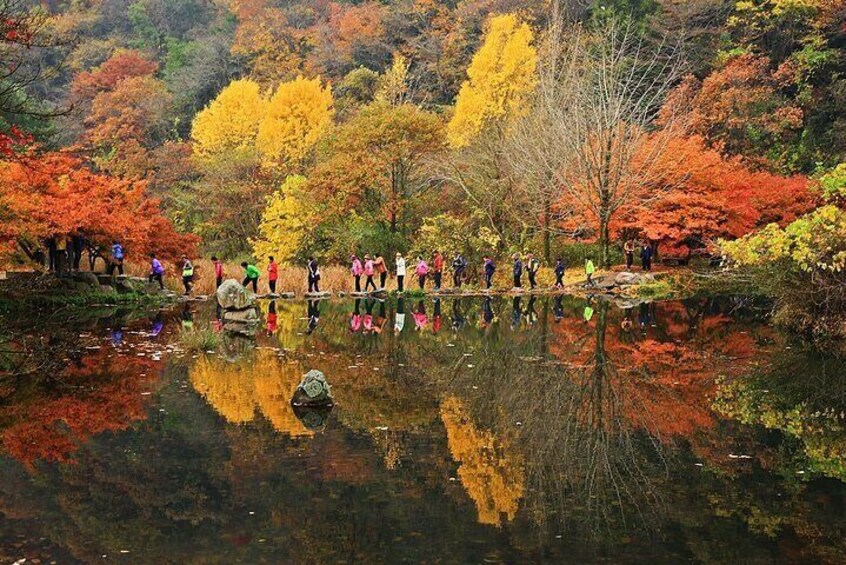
121 66
56 194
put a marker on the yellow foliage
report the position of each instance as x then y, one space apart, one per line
297 116
489 474
231 121
236 390
393 85
285 222
500 77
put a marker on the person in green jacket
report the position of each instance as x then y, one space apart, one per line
251 273
589 271
187 274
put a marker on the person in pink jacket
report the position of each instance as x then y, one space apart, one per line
369 271
421 271
357 270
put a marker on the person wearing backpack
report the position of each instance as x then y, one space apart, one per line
518 271
313 275
421 271
379 265
157 271
459 267
490 269
590 269
560 269
187 274
532 266
438 268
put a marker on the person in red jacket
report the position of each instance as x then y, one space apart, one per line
218 270
438 268
272 274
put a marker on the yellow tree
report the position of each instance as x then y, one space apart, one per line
500 78
286 221
298 115
230 123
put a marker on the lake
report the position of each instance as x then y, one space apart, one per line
504 430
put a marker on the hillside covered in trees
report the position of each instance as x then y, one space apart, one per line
298 127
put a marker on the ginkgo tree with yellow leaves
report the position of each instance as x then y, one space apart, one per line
286 222
499 79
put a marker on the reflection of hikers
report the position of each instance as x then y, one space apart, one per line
272 274
531 314
355 317
187 274
438 268
558 308
420 318
400 262
490 269
487 312
313 275
156 270
218 271
459 266
357 270
560 269
421 271
532 266
251 276
516 312
518 271
399 321
629 249
436 316
588 315
457 315
313 315
272 318
379 265
646 257
626 324
369 271
116 258
589 271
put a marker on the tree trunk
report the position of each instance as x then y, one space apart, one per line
605 241
547 237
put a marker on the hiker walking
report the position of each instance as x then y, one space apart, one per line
251 276
313 275
518 271
459 267
357 271
218 271
382 269
629 250
400 263
646 257
560 269
272 274
590 269
532 267
187 274
421 271
116 258
369 271
438 268
157 271
490 269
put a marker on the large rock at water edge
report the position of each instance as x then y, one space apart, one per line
247 315
313 390
627 278
232 296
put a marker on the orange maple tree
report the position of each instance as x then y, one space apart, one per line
57 194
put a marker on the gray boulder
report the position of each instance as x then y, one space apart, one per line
88 278
313 390
628 279
232 296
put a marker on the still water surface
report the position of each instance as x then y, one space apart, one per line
464 431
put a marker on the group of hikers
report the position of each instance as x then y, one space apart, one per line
375 270
423 270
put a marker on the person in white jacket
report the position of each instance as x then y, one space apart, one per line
400 262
